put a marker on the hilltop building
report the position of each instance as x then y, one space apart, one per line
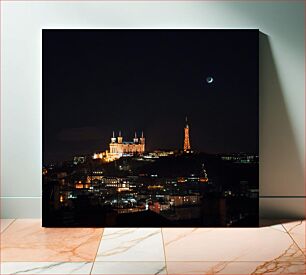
118 148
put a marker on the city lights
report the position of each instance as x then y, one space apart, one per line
128 180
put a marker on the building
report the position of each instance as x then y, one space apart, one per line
118 148
180 200
79 160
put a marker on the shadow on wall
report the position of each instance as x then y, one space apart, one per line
280 166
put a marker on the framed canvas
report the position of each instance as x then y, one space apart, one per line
150 128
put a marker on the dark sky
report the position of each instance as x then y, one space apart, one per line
97 81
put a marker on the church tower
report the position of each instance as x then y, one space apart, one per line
142 143
135 138
119 137
187 147
142 139
113 139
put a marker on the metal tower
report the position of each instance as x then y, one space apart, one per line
186 138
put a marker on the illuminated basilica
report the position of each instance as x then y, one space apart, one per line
119 148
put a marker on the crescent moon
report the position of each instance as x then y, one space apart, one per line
209 79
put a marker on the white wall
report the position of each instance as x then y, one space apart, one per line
282 86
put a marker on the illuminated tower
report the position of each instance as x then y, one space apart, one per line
142 142
119 137
113 139
187 147
142 139
135 138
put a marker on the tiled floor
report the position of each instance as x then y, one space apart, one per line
27 248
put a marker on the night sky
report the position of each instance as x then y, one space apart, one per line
97 81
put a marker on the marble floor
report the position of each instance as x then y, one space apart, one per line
27 248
